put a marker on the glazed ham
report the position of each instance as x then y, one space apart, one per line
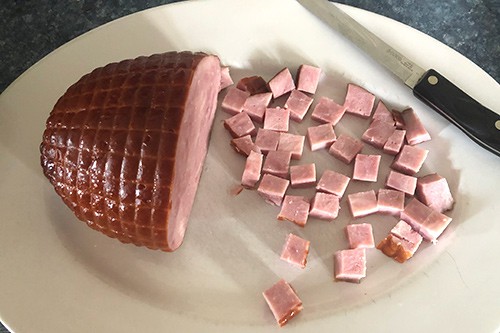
124 146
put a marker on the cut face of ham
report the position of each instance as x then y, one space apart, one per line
255 106
294 209
325 206
244 145
378 133
252 172
281 83
415 130
240 125
267 140
401 182
327 111
295 250
345 148
308 78
410 159
395 142
277 119
225 78
321 136
292 143
277 163
303 175
273 189
252 84
359 101
390 201
350 265
298 103
362 203
360 236
333 182
234 100
433 190
366 167
382 113
283 302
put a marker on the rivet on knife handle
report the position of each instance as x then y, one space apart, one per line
477 121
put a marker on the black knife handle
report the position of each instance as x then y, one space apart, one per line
477 121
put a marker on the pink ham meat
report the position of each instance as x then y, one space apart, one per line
295 250
303 175
415 130
225 78
401 182
252 84
281 83
402 242
234 100
390 201
292 143
273 189
321 136
359 101
136 181
294 209
433 190
267 140
350 265
240 125
360 236
252 172
277 163
362 203
345 148
255 106
382 113
428 222
395 142
308 78
410 159
327 111
366 167
333 182
325 206
277 119
244 145
378 133
398 120
283 302
298 104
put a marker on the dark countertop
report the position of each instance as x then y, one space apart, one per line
33 28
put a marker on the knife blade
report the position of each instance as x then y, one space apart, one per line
478 122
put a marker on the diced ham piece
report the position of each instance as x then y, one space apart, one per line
378 133
401 182
390 201
273 189
303 175
433 190
321 136
283 302
410 159
327 111
360 236
277 163
325 206
277 119
359 101
234 100
333 182
398 120
244 145
362 203
281 83
252 172
428 222
350 265
382 113
298 104
267 140
308 78
397 248
345 148
240 125
395 142
295 250
225 78
252 84
366 167
292 143
256 105
415 130
404 231
294 209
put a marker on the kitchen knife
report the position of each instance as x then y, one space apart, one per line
480 123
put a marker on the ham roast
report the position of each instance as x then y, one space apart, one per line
124 147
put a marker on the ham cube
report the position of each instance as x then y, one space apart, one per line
273 189
321 136
267 140
283 302
333 182
292 143
295 250
327 111
325 206
415 130
252 172
252 84
382 113
433 190
225 78
360 236
294 209
240 125
255 106
366 167
410 159
277 119
404 231
234 100
390 201
359 101
308 78
303 175
244 145
277 163
281 83
398 120
401 182
350 265
298 104
395 142
345 148
378 133
428 222
362 203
